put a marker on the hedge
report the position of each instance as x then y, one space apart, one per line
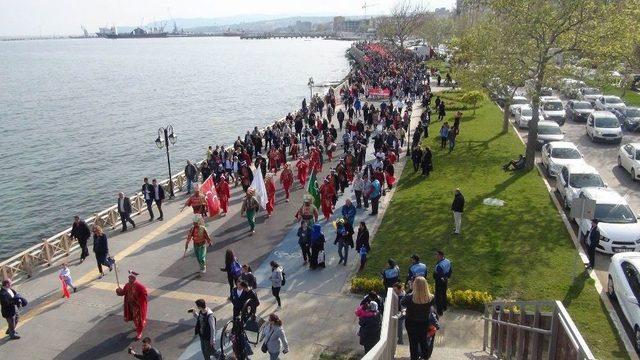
462 299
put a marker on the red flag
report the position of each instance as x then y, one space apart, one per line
210 194
65 289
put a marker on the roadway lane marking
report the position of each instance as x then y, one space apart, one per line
90 276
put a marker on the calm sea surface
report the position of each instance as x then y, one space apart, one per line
78 118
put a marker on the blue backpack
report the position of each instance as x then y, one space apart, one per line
236 269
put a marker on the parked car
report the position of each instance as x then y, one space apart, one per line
569 88
629 118
589 94
516 102
572 178
603 126
551 109
608 102
618 225
578 110
523 116
557 154
624 285
629 159
548 131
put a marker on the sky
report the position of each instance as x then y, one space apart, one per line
64 17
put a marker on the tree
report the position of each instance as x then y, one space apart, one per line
473 98
405 20
486 59
437 30
544 31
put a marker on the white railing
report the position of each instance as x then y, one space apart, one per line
385 349
26 263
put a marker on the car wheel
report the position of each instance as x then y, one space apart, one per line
633 174
619 161
611 291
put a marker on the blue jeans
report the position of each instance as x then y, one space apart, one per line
343 252
189 185
274 356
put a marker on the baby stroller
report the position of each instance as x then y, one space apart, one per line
238 334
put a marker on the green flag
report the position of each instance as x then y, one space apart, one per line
312 189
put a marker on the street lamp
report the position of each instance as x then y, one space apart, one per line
310 84
166 136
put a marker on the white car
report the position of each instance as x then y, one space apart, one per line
548 131
557 154
590 94
618 225
608 102
603 126
629 159
523 116
573 177
551 109
517 102
624 285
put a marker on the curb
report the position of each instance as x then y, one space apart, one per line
613 315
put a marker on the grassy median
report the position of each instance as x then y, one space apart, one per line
518 251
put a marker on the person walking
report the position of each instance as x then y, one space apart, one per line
242 295
457 207
101 249
358 187
370 323
349 212
201 239
249 208
441 274
148 198
191 173
362 244
81 232
148 351
248 277
277 280
270 186
273 338
158 197
124 209
374 195
416 158
304 239
224 193
317 247
593 239
135 303
65 277
419 318
205 329
344 240
441 111
427 162
444 135
10 302
286 179
451 138
232 268
390 275
398 289
416 269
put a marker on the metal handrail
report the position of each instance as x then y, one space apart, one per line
25 263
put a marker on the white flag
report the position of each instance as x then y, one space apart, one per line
261 190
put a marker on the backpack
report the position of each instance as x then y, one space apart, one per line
236 269
284 278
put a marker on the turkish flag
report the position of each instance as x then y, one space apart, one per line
210 194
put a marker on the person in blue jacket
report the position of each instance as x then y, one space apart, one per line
416 269
349 211
441 274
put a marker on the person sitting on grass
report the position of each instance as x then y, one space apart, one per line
516 164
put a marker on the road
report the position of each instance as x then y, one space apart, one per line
602 156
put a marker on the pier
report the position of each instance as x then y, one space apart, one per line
284 36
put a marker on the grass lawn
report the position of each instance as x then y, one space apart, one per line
519 251
631 98
441 65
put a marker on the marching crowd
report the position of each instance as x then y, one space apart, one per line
308 139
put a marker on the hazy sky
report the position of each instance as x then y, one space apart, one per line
46 17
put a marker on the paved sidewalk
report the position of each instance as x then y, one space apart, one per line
317 307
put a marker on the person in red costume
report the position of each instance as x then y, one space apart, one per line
327 192
270 185
135 303
286 179
273 160
295 148
303 171
314 162
224 193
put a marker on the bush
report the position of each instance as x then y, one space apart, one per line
472 98
366 285
462 299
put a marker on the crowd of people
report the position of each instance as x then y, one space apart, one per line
296 150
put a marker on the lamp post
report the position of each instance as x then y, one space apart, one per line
166 136
310 84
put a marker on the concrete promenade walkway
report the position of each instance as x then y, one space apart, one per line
317 307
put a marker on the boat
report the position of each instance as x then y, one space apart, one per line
137 33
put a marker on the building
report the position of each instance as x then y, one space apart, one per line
340 25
